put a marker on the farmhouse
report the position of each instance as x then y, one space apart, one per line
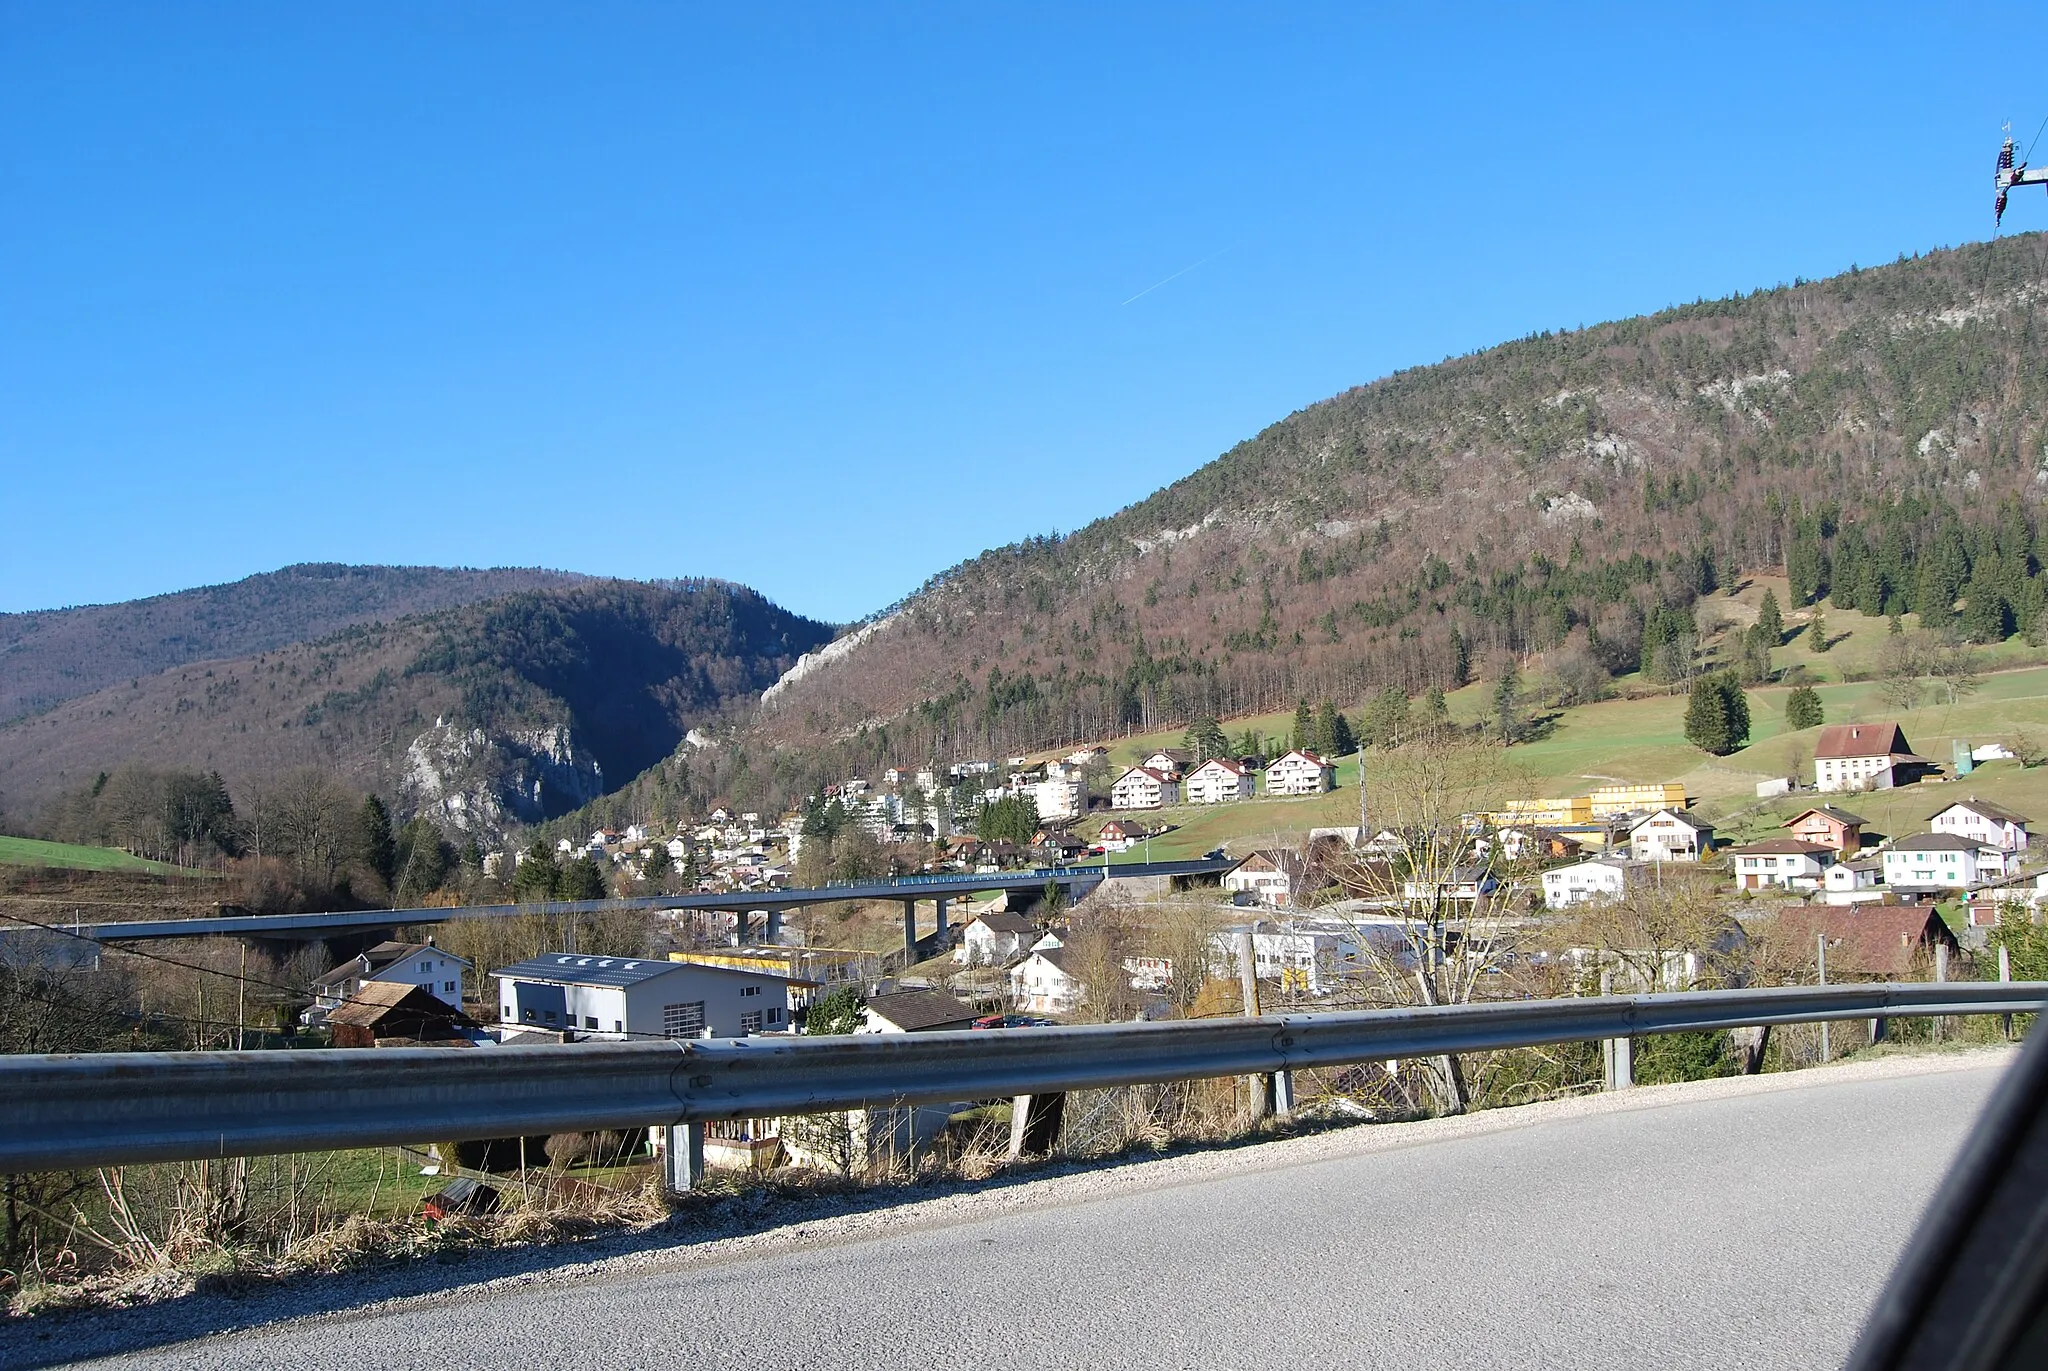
1864 757
1276 878
1939 861
1042 984
437 972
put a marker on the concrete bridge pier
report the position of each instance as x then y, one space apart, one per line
941 902
773 933
909 931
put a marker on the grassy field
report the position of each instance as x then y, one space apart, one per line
36 852
1643 739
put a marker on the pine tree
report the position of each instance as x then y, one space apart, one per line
1717 715
536 876
1507 702
1803 709
1817 633
373 839
1304 728
1326 731
1205 739
1987 618
1770 620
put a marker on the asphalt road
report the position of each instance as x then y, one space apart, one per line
1712 1230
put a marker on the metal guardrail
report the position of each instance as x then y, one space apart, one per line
344 921
68 1112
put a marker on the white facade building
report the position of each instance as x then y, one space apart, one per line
1983 823
615 998
1143 788
1041 984
1669 836
1218 781
1581 882
1786 862
435 970
1057 799
1300 773
1936 861
1311 957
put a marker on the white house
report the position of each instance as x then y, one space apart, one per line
1042 984
994 939
1669 836
1786 862
1581 882
1276 878
1059 798
1983 823
1311 957
643 997
1863 757
1169 764
1218 781
433 969
1854 882
1936 861
1300 773
1144 787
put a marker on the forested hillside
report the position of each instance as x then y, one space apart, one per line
1569 494
50 656
507 711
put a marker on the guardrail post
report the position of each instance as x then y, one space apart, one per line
2005 974
682 1157
1248 982
1617 1055
1035 1124
1752 1041
1940 975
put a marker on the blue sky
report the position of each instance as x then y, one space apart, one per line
825 300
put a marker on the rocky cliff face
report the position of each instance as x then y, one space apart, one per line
472 782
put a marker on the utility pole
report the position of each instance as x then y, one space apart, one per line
242 1000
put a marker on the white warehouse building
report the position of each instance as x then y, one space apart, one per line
613 998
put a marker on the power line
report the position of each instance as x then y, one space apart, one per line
295 991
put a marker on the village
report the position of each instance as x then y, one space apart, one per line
1322 924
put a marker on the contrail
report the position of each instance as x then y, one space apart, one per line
1178 274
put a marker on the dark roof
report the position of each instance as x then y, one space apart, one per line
1056 955
1862 740
1868 939
1840 816
1007 923
917 1011
571 968
382 1002
1772 847
1936 842
1997 813
376 959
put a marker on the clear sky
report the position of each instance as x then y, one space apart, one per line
825 300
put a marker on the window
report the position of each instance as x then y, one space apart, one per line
750 1022
683 1020
590 1020
747 990
529 1016
508 1012
774 1016
618 1026
426 966
448 986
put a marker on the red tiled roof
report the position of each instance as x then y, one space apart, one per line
1861 740
1866 940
